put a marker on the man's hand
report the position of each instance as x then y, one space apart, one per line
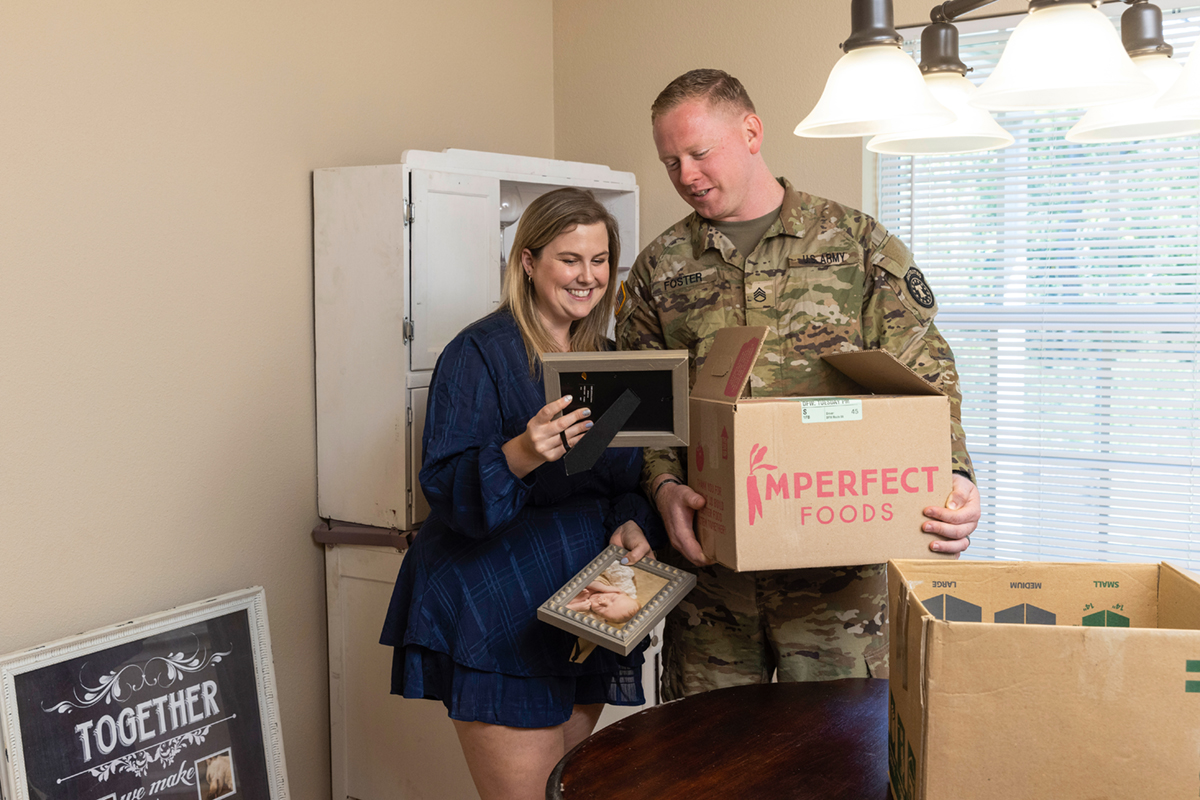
957 520
678 505
631 537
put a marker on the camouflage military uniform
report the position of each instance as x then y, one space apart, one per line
825 278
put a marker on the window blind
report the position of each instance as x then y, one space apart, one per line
1068 280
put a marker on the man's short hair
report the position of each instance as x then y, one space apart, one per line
719 88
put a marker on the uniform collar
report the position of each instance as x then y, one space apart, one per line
793 221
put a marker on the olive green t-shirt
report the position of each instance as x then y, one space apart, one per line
747 233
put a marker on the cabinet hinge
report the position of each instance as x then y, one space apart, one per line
409 216
409 330
410 415
408 497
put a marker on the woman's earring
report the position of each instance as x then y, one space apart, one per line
529 278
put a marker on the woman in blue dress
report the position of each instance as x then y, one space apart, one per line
508 527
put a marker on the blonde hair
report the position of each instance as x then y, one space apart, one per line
550 215
719 88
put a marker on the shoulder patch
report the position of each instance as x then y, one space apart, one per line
918 288
622 296
893 257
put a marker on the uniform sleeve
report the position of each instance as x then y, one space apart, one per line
465 475
898 316
639 328
634 507
629 503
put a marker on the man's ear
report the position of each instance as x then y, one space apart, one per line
752 128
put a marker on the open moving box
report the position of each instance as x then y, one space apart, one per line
794 482
1043 681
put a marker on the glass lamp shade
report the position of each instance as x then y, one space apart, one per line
1186 89
1063 56
1140 118
973 131
873 90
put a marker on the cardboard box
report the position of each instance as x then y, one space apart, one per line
1038 680
812 482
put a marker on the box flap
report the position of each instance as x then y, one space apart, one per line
880 372
727 367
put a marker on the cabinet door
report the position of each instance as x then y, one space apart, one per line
359 246
383 747
455 258
419 508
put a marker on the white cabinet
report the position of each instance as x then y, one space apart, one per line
404 257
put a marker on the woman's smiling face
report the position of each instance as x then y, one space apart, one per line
569 276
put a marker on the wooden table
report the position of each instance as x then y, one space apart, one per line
825 741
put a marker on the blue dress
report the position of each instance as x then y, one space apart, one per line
463 618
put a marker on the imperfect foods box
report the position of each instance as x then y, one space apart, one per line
1038 680
815 481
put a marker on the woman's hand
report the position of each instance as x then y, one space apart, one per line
630 536
542 440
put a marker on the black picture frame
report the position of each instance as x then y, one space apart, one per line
596 380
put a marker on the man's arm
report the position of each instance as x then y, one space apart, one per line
639 328
898 316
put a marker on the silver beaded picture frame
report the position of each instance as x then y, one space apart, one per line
660 587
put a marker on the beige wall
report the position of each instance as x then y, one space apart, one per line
156 356
611 59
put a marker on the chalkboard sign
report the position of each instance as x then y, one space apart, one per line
179 705
659 378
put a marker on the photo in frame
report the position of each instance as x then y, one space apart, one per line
616 606
178 705
659 378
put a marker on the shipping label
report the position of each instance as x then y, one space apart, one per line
831 409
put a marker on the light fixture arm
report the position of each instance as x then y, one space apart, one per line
953 9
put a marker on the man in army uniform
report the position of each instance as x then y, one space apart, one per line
823 278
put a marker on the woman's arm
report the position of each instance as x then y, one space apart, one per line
466 476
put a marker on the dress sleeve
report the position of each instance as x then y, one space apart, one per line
898 313
465 475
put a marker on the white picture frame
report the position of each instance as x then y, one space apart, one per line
132 710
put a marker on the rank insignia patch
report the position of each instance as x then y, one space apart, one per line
761 294
622 296
918 288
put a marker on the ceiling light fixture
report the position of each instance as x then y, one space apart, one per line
1141 118
875 87
973 129
1064 55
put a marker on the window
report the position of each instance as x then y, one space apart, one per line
1068 279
